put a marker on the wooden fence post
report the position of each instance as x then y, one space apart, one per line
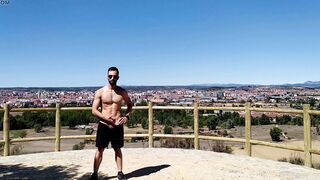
307 135
58 127
6 130
150 118
248 147
196 125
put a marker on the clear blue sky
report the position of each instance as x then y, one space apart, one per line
164 42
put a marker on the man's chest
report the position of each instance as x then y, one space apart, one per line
110 97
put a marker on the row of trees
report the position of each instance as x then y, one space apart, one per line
29 120
181 118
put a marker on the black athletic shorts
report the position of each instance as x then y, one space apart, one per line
106 134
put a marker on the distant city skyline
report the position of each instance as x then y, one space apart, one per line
72 43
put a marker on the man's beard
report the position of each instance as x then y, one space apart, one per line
112 82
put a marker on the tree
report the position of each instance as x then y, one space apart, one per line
212 123
275 133
285 119
167 129
37 128
264 120
144 123
312 101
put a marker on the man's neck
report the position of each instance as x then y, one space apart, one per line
111 87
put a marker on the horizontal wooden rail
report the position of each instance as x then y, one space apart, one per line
76 108
32 139
222 139
173 107
222 108
313 112
291 111
277 145
315 151
174 136
31 109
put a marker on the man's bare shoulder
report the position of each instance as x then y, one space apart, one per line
99 91
120 89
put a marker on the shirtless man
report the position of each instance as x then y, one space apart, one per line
110 128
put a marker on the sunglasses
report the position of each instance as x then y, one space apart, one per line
113 76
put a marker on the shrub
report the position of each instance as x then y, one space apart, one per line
230 124
212 124
296 159
219 146
16 149
177 143
19 134
283 159
167 129
79 146
89 131
37 128
275 133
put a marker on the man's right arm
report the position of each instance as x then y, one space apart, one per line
95 108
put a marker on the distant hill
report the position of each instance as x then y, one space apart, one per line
309 84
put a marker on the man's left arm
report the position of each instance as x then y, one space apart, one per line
129 107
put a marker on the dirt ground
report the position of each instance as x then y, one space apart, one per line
295 134
151 163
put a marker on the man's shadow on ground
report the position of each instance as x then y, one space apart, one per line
136 173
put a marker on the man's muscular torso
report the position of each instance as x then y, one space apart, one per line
111 101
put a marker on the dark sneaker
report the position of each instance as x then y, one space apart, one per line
121 176
94 176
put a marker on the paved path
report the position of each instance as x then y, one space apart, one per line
154 163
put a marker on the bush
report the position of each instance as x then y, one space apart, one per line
19 134
79 146
230 124
220 147
144 123
177 143
37 128
212 124
16 149
167 129
89 131
296 159
275 133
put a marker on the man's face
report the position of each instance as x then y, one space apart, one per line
113 77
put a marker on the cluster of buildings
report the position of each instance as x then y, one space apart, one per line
265 96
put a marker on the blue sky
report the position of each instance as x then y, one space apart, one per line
164 42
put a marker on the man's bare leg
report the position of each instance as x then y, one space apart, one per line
97 160
118 158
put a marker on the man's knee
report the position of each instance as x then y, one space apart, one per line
100 151
117 150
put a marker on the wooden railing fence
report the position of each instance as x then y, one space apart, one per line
306 112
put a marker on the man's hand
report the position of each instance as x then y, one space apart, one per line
122 120
111 122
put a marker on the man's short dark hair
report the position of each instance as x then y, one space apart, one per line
113 69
